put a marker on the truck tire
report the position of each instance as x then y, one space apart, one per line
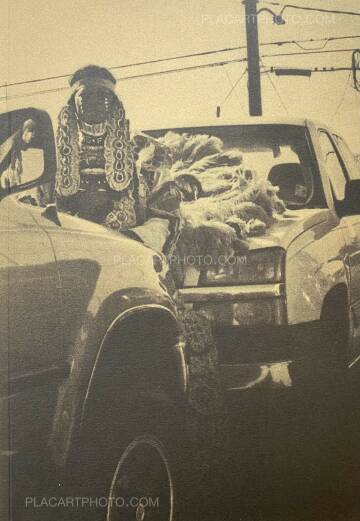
145 470
143 423
140 491
329 417
145 481
335 337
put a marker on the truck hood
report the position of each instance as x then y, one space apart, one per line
288 227
95 240
97 234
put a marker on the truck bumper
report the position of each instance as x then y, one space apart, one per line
257 349
303 375
246 306
242 377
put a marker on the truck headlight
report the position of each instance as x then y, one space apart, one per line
260 266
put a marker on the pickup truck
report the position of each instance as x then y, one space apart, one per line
96 378
286 320
301 278
90 343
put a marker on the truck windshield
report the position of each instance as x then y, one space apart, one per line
277 152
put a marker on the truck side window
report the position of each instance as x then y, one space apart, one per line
351 164
334 168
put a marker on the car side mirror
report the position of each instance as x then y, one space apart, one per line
351 203
27 150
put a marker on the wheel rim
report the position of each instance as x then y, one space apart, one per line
142 486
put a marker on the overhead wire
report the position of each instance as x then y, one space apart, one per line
136 76
233 86
342 99
313 70
276 90
305 8
182 69
312 48
303 53
192 55
313 40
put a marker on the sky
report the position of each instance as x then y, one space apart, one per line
43 38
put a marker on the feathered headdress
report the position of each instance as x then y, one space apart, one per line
118 150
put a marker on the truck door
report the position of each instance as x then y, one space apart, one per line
31 339
353 239
339 174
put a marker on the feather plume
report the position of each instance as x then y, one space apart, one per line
234 205
189 148
230 157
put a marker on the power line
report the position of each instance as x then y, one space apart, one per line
192 68
135 76
317 9
194 55
312 40
304 53
342 99
182 69
216 64
278 93
233 86
276 90
298 44
313 70
34 93
135 64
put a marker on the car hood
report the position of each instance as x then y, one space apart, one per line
122 242
288 227
94 239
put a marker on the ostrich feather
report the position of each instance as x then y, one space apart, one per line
236 203
189 148
229 157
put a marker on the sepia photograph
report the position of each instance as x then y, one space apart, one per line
180 260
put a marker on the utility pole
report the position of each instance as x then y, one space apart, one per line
253 57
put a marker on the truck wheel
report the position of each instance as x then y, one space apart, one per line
143 438
335 325
331 413
329 408
143 468
335 337
143 483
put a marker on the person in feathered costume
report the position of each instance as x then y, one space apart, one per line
227 202
96 177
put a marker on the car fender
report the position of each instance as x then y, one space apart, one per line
74 390
315 264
